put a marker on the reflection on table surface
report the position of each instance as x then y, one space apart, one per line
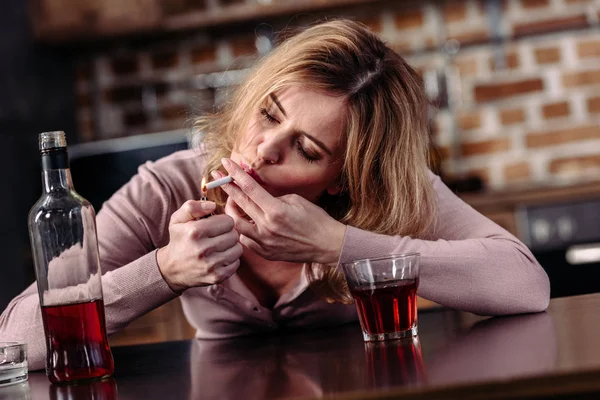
105 389
324 362
338 360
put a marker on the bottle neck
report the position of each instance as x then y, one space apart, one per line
56 174
57 180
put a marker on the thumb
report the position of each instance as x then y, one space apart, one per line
192 210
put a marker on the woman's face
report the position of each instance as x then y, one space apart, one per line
293 143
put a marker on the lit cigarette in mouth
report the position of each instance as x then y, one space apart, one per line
216 183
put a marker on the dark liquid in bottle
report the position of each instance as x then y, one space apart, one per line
77 347
385 307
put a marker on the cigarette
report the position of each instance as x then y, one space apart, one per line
218 182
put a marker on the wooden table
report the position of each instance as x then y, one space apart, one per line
457 355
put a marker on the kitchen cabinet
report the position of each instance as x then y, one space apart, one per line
503 207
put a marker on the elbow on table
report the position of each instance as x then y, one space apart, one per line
523 289
528 281
525 298
536 299
533 293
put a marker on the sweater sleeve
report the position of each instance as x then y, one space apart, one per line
471 263
131 225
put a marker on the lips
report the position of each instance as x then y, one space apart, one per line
252 173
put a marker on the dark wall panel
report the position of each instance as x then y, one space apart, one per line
36 94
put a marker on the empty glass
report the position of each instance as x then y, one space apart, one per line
13 363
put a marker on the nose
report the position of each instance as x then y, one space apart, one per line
270 149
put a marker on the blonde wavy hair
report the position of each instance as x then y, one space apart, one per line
386 188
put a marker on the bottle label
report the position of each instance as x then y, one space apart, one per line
56 158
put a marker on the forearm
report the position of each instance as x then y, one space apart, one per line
132 291
129 292
21 321
490 276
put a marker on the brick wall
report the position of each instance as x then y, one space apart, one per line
524 105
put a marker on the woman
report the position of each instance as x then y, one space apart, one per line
327 144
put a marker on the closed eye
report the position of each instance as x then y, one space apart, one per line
309 157
268 116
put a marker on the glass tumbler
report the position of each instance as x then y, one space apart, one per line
13 363
385 294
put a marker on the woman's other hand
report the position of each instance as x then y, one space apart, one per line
200 251
286 228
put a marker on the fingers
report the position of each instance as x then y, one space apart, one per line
192 210
225 258
214 226
252 245
243 201
226 271
245 185
220 243
242 225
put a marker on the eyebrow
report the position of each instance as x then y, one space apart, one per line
312 138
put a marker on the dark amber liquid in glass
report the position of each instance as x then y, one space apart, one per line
385 307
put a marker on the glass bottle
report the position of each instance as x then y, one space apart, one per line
62 230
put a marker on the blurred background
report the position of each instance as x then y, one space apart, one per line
513 86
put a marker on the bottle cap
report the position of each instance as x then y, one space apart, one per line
52 140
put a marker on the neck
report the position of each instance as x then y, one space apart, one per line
267 280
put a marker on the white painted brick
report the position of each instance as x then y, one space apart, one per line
513 7
517 138
538 164
448 167
526 57
592 12
432 20
489 122
569 52
388 28
532 112
559 6
579 108
552 83
496 177
444 124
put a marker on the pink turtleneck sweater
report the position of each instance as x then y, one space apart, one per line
473 265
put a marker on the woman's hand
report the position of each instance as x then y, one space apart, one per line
200 251
286 228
